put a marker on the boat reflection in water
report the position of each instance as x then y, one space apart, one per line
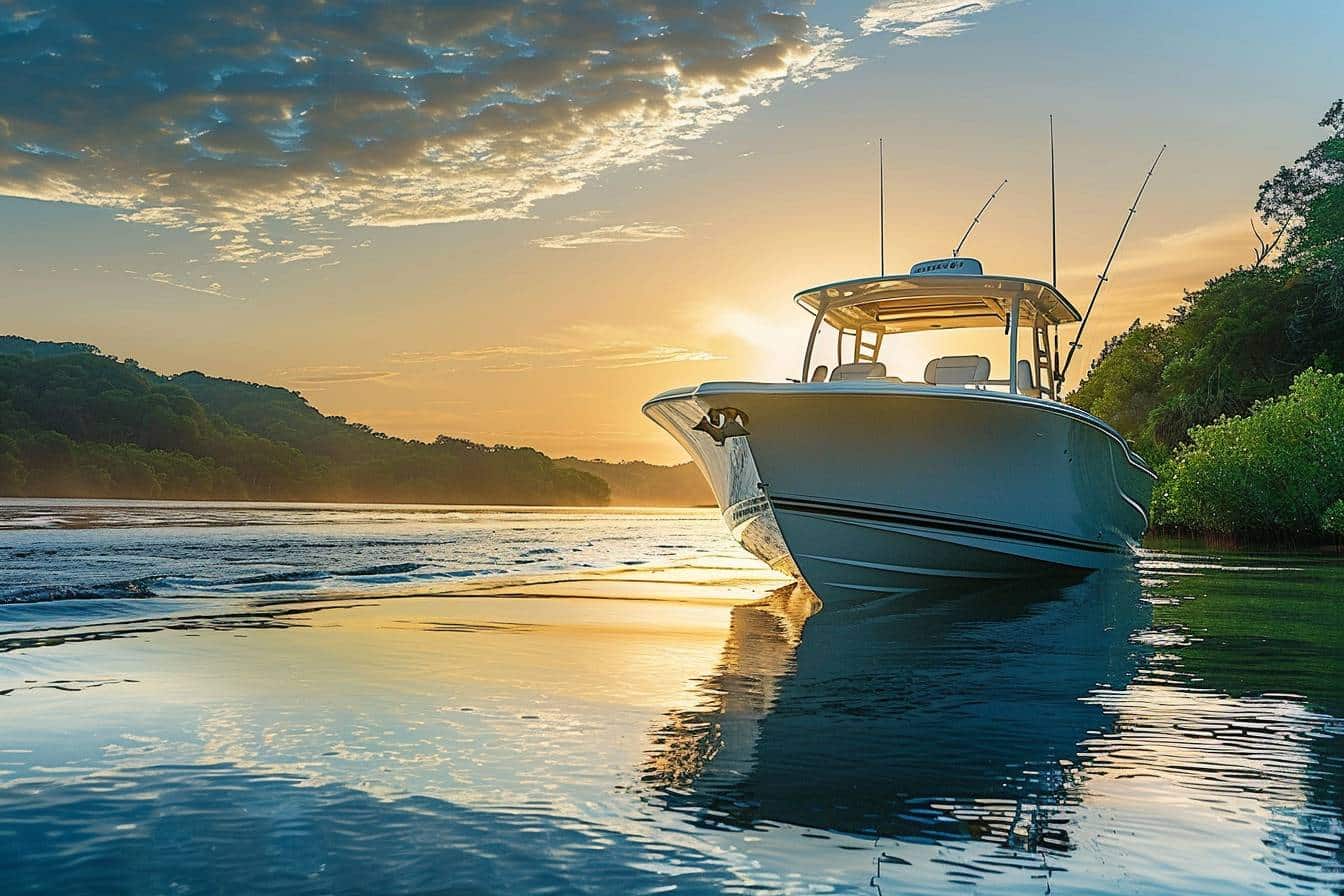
941 716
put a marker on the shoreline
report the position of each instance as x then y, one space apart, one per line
1164 538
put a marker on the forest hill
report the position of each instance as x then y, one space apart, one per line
75 422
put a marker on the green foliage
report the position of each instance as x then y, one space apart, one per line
1306 199
31 348
1273 473
74 422
1246 334
1129 385
1228 348
1332 521
1239 340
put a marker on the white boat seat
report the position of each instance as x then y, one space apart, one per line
859 370
1025 385
957 370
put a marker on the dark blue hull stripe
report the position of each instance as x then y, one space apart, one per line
925 520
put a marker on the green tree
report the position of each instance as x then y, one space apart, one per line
1306 198
1130 388
76 422
1245 335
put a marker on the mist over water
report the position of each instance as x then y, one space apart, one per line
312 699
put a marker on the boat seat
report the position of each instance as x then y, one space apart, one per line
819 375
1025 384
957 370
859 370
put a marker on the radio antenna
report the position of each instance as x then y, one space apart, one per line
881 212
1054 251
1054 245
1101 278
957 251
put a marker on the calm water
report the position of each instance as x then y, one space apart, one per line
249 699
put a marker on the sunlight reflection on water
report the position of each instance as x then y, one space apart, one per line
1178 728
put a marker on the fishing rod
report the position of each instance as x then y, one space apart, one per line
1101 278
957 251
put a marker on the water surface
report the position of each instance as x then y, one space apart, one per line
243 698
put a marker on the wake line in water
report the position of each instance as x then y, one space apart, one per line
168 586
301 575
130 589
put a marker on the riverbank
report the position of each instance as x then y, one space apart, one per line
1165 538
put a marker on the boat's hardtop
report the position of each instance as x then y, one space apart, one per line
908 303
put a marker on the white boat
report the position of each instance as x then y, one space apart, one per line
864 484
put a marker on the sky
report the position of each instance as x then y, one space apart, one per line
514 222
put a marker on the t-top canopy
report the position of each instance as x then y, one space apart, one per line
909 303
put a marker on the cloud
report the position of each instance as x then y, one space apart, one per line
909 21
1157 268
269 126
332 374
639 232
591 217
1151 274
162 278
579 346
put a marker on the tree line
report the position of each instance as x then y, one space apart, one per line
76 422
1237 397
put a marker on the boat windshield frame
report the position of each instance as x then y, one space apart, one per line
873 307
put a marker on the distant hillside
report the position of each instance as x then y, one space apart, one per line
637 484
75 422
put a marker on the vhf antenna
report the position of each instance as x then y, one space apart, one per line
1101 278
881 212
1054 244
1054 248
957 251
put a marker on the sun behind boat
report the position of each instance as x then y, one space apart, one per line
866 484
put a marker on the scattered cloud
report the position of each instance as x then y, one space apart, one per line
306 252
332 374
268 127
909 21
639 232
580 346
163 278
1161 266
591 217
1150 276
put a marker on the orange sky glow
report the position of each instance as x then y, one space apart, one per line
526 271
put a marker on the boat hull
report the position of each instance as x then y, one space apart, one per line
878 488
